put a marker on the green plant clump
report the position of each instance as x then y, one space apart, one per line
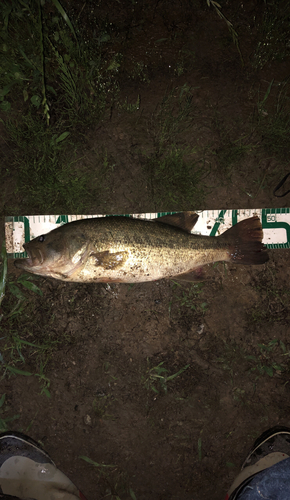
274 120
159 375
175 172
176 179
55 80
48 175
5 421
264 362
273 33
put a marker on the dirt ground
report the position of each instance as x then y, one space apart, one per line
184 438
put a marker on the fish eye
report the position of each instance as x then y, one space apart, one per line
41 238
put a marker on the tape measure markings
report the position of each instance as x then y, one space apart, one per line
275 222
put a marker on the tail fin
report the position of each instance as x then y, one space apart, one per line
245 242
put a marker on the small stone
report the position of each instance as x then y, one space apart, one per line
88 420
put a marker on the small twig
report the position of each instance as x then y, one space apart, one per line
44 100
81 10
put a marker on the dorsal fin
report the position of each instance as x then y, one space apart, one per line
182 220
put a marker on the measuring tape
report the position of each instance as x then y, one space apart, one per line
275 222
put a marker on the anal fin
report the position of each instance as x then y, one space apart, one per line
196 275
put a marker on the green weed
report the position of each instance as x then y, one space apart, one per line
266 359
101 405
48 175
226 362
189 295
139 72
19 348
15 288
3 272
274 301
185 59
199 448
264 362
95 464
107 162
230 153
4 426
116 481
176 178
173 116
82 85
16 349
43 380
159 375
36 45
27 19
230 27
131 108
21 66
176 173
273 33
238 394
274 120
54 81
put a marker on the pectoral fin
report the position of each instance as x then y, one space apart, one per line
109 260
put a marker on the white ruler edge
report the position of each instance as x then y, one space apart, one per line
21 229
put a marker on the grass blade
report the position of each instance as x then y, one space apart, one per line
6 11
62 137
2 399
261 104
3 422
31 286
132 494
16 291
65 16
3 426
46 392
171 377
96 464
17 309
30 63
10 419
3 271
16 371
30 343
199 449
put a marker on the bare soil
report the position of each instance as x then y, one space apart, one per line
187 438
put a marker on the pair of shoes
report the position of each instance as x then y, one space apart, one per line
27 471
270 448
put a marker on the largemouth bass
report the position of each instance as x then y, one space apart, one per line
127 250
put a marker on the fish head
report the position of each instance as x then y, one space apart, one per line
55 254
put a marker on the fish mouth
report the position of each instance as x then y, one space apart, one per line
34 259
23 263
